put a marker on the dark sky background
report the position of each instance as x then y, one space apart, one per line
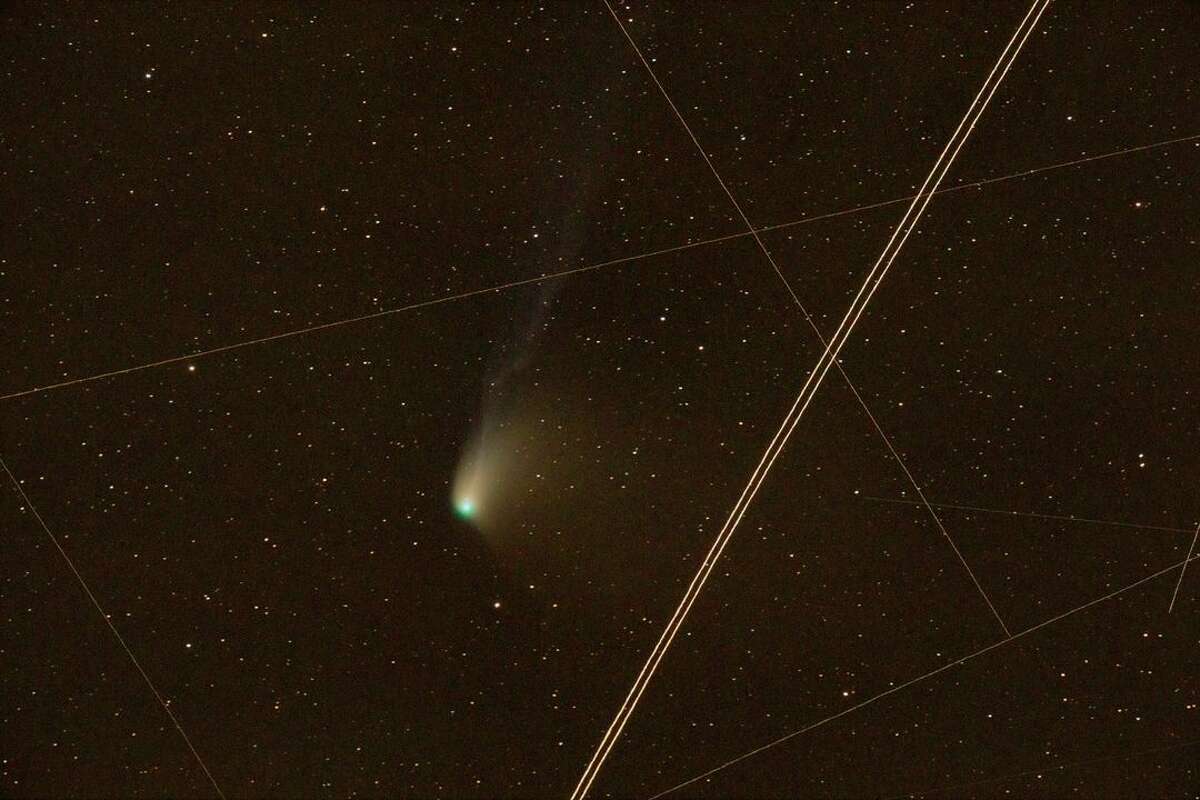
271 527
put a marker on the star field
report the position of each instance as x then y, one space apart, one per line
375 377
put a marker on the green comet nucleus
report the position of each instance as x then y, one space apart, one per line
465 508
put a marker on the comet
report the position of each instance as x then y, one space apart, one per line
488 473
465 508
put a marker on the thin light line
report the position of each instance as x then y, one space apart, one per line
362 318
1052 768
928 506
871 284
812 384
1007 513
1182 570
107 621
588 268
808 317
986 181
919 678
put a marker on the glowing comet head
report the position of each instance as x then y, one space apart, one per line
473 494
465 508
482 491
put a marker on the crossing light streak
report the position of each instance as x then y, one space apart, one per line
857 307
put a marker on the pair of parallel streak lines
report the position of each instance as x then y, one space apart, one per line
611 735
816 330
1180 565
498 288
853 314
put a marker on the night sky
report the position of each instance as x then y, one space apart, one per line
385 505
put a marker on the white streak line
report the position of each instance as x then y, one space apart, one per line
928 506
812 323
107 621
985 182
589 268
857 307
919 678
1183 569
1008 513
351 320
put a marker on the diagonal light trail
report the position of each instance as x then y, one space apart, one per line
812 324
912 681
113 628
921 494
984 182
1183 569
587 268
857 307
1007 513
